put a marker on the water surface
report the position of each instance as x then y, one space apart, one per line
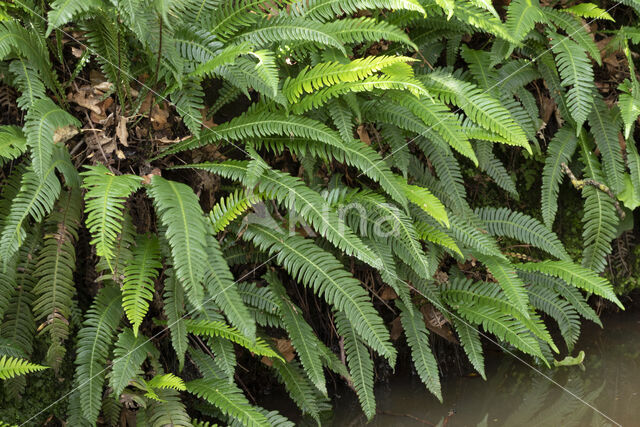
515 395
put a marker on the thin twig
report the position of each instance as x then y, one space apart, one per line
580 183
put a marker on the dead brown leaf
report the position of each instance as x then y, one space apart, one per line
63 134
121 131
285 348
436 322
364 135
388 294
396 329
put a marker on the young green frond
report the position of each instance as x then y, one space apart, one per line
231 207
139 279
106 196
180 212
12 367
560 150
221 329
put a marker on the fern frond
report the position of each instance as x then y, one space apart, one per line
11 367
600 218
94 341
326 10
560 150
477 104
588 10
574 27
295 194
174 309
106 196
575 70
189 101
360 364
129 353
488 162
168 410
505 274
547 300
27 81
63 11
633 160
179 210
13 143
222 289
55 267
418 339
516 225
221 329
231 207
302 336
139 279
320 271
522 16
228 399
311 79
298 386
575 275
470 341
35 199
43 118
359 30
605 127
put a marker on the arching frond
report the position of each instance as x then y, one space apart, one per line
12 367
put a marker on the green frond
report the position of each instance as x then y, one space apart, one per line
13 143
588 10
326 10
225 355
221 329
560 150
179 211
234 15
11 367
174 309
293 193
600 218
629 104
466 230
477 104
27 80
575 70
470 340
431 233
298 386
285 28
547 300
231 207
226 56
462 291
320 271
228 399
426 201
43 119
438 117
189 101
483 20
94 341
165 382
311 79
261 303
56 265
360 30
63 11
139 280
573 26
35 199
505 274
505 222
633 160
168 410
222 289
129 353
418 339
360 364
493 167
605 128
302 336
522 16
574 275
105 199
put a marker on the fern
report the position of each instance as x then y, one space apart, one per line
418 339
11 367
470 341
55 268
230 208
94 341
130 352
179 210
322 272
12 143
62 11
560 150
326 10
174 310
139 278
504 222
575 275
360 365
522 15
43 118
105 200
575 70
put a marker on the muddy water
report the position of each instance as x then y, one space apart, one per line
515 395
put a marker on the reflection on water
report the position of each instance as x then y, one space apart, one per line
515 395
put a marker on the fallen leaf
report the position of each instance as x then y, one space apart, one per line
146 180
364 135
396 329
121 131
435 321
388 294
85 98
63 134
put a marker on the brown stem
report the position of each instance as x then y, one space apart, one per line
579 184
